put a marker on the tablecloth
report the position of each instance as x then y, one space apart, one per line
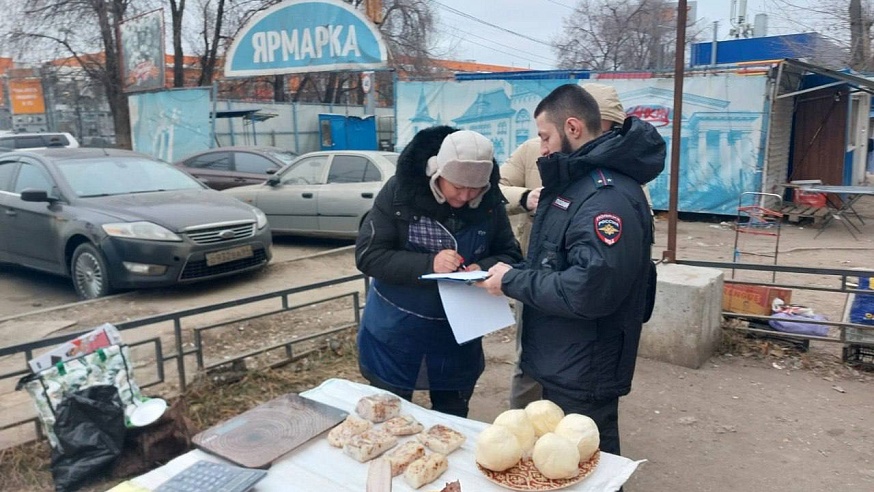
316 466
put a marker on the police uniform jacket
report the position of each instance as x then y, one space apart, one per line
588 276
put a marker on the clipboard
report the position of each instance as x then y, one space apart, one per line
468 278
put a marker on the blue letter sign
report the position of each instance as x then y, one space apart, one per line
305 36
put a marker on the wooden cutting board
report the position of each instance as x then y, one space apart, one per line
256 438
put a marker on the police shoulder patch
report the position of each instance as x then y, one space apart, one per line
608 228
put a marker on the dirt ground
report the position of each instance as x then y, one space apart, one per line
755 417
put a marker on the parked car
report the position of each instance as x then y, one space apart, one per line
113 219
32 141
227 167
321 193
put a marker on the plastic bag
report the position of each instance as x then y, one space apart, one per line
90 431
795 323
106 366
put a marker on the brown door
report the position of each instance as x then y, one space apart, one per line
820 136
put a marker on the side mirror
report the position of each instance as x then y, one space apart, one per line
272 171
31 195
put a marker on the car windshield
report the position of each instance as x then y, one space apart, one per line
283 156
122 175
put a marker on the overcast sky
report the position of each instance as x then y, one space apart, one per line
536 22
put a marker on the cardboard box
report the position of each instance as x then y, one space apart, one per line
752 299
101 337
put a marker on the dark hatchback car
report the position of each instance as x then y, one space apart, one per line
113 219
228 167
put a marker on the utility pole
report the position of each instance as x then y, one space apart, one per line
373 9
670 255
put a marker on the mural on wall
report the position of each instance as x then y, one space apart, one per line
721 149
172 124
503 111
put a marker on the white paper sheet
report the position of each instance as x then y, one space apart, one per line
472 311
468 277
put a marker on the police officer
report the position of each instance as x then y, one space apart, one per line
588 281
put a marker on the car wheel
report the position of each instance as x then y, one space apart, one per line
89 272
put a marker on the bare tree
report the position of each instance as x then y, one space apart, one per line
619 35
845 26
55 27
177 8
860 35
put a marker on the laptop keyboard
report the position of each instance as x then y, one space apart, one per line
206 476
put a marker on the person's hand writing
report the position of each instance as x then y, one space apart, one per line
533 199
493 283
447 261
473 267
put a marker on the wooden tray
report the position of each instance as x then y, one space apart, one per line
256 438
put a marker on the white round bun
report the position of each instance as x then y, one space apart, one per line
518 423
497 448
556 457
544 416
583 431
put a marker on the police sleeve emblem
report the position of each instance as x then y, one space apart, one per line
608 227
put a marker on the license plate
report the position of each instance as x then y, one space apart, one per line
227 255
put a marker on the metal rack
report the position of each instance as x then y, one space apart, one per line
758 215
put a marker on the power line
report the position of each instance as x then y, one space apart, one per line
517 55
477 19
561 4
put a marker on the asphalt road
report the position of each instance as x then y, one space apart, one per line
23 290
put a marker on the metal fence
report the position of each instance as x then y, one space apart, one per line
178 352
845 283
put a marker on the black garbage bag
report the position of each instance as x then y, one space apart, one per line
90 429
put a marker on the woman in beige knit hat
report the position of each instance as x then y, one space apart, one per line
441 212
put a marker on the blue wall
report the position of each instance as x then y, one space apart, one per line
755 49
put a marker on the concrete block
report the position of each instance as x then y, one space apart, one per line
685 328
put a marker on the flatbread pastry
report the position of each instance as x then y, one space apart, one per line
403 425
352 426
369 444
401 456
379 408
441 439
425 470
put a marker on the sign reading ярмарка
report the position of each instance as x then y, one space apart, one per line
302 36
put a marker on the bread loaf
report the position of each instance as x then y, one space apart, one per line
425 470
379 408
401 457
339 435
441 439
403 425
370 444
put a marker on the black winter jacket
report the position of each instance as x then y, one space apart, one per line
380 247
584 283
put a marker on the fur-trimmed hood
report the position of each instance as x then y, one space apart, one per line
413 188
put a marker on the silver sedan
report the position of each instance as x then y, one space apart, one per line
321 193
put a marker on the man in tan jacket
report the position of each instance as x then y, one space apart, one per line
520 183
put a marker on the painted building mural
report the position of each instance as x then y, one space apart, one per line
171 124
723 126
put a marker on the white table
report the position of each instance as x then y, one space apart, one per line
316 466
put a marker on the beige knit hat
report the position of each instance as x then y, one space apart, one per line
465 158
608 102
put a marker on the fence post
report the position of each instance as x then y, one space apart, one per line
180 355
